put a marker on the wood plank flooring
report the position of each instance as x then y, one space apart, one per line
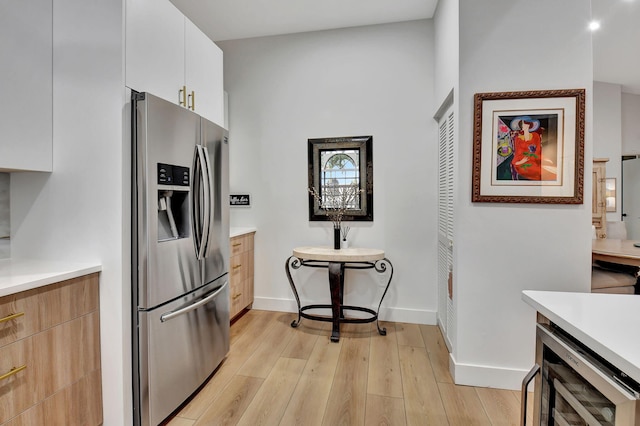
278 375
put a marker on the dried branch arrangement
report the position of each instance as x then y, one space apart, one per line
337 200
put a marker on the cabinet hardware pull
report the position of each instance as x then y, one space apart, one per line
237 266
237 244
192 98
11 316
236 296
13 371
182 96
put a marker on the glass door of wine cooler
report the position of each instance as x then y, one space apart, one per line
578 387
568 399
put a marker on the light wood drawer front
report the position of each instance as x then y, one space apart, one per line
241 243
238 245
55 359
25 305
82 402
241 296
241 273
237 300
47 307
23 389
73 351
240 265
67 300
235 287
247 291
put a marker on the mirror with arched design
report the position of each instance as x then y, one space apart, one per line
337 166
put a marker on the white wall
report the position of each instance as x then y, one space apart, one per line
607 134
80 211
446 48
447 52
375 80
630 118
503 249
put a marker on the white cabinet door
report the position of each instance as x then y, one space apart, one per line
165 52
26 104
155 48
203 74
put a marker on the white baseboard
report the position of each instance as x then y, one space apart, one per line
413 316
486 376
273 304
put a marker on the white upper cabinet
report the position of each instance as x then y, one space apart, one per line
168 56
26 104
154 48
203 74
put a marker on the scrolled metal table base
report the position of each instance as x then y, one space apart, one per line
336 286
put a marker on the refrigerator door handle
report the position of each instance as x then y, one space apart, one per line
170 315
208 201
201 201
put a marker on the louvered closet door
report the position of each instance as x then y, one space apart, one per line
446 315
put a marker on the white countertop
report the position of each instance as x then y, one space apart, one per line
609 324
236 231
18 275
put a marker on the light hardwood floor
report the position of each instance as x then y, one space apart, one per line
278 375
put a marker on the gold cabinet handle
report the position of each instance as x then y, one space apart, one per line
192 98
237 266
237 244
11 316
236 296
14 370
182 96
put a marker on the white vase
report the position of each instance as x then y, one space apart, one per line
344 244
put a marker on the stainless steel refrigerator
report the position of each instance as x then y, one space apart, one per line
180 254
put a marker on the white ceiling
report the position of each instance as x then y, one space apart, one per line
616 45
234 19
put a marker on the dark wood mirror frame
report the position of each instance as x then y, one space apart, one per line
364 146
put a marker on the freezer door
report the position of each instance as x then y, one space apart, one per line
165 138
180 345
216 254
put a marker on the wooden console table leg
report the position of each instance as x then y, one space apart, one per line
336 272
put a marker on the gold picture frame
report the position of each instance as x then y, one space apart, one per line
528 147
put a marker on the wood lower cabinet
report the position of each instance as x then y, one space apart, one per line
241 273
54 332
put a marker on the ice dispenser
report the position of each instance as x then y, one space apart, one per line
173 202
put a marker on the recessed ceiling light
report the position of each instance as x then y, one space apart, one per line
594 25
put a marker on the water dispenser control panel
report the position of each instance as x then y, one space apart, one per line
173 175
173 202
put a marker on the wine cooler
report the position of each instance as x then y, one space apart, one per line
574 386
